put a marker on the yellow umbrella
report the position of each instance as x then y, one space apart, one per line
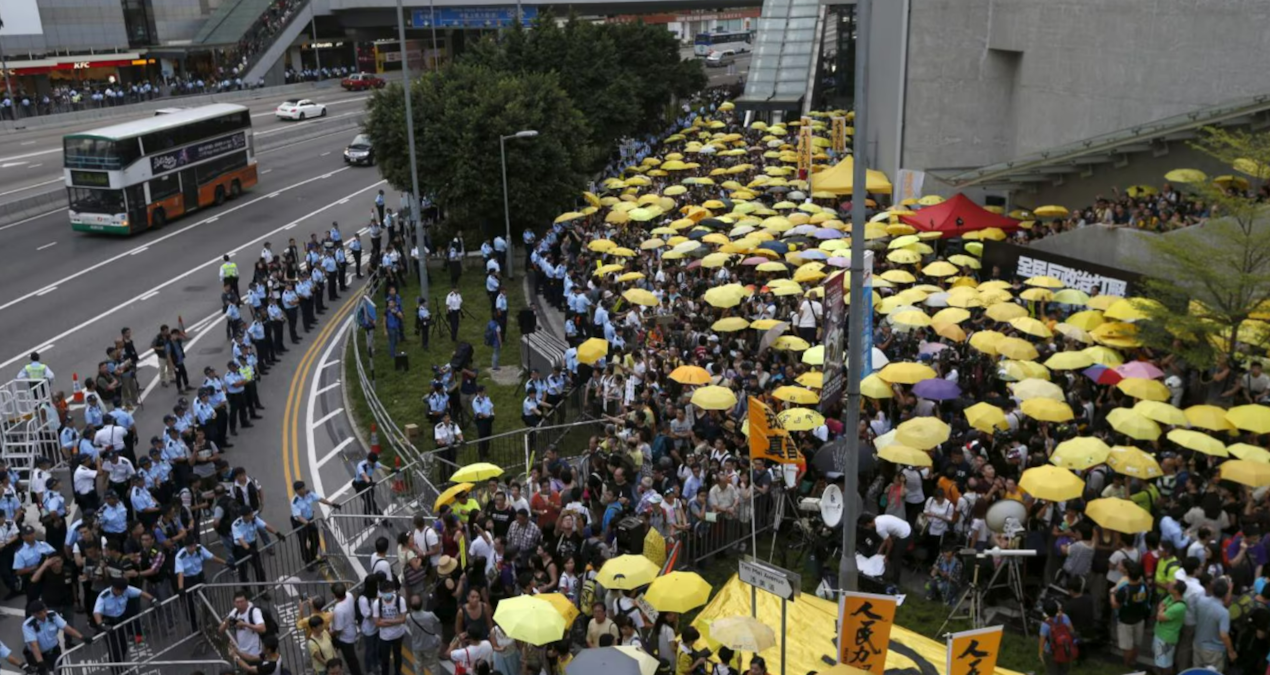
790 343
1246 472
940 268
1080 453
724 296
690 375
1016 348
876 388
1071 296
765 324
906 373
1104 356
450 493
1051 483
1198 441
714 397
1069 361
1074 333
898 277
913 318
475 473
814 356
529 619
813 379
1030 326
800 419
950 315
592 350
1251 453
902 454
1162 413
1186 176
1132 461
1037 388
1044 282
986 341
1120 515
678 592
1016 371
1132 309
1208 417
743 634
1047 410
1005 311
1142 388
986 418
923 433
1102 302
608 269
639 296
904 256
571 215
627 572
1037 294
630 276
799 395
601 245
1254 418
1133 424
949 330
730 324
1088 319
562 604
1050 211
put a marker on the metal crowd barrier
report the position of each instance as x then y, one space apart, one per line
704 539
208 667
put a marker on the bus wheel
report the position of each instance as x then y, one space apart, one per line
158 219
235 190
220 195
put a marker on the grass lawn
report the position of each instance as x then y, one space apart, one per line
1018 652
402 394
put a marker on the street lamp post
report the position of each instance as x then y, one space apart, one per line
507 211
8 84
415 205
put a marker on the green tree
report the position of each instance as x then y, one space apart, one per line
1212 280
460 113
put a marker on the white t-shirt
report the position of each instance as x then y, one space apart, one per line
890 526
938 526
390 610
248 640
344 621
808 314
368 623
470 656
425 540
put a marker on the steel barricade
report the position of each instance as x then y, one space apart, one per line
356 534
208 667
705 539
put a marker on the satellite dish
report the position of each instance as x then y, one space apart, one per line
1002 512
831 505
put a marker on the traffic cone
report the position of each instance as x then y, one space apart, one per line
374 438
77 391
398 483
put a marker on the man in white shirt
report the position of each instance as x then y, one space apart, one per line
425 541
807 318
894 533
467 652
453 311
390 614
344 625
248 622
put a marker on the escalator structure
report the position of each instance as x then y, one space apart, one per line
254 35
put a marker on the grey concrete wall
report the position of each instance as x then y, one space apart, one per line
73 25
994 79
178 20
886 83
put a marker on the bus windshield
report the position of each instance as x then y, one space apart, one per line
95 201
84 152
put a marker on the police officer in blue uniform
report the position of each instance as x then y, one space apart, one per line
40 634
188 565
27 559
110 610
246 532
364 478
302 519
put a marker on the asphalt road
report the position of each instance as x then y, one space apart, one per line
31 161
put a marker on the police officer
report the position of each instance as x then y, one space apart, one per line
219 401
40 633
277 323
365 479
341 267
292 304
27 559
423 321
319 284
229 274
305 290
245 532
491 288
376 239
251 379
302 519
229 304
355 247
113 518
453 311
260 340
331 270
188 565
144 505
36 370
438 403
84 483
53 501
119 471
448 437
483 410
235 388
530 413
109 611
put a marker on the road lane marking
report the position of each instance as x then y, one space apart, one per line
328 363
33 185
46 291
328 387
335 453
265 171
48 245
341 101
306 122
30 154
32 218
325 153
135 251
149 295
184 275
35 166
92 268
328 417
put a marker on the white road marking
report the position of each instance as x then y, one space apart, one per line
275 194
149 295
31 154
325 153
334 453
328 363
51 244
32 218
193 270
135 251
33 185
35 166
46 291
27 143
10 165
356 563
92 268
328 417
328 387
213 219
45 348
335 102
310 121
265 171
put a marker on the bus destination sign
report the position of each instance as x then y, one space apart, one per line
98 179
171 161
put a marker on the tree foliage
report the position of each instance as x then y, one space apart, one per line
583 86
1213 280
460 113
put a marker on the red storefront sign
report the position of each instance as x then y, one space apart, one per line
80 65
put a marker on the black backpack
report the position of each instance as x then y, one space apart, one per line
232 509
271 624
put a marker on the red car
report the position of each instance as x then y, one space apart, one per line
362 82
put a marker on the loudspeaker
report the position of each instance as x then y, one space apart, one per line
630 535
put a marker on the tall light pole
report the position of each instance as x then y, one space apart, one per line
414 168
848 575
8 84
507 209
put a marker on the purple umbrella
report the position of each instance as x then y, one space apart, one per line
937 389
839 261
827 233
1141 369
756 260
931 348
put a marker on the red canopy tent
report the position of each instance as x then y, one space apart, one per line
957 216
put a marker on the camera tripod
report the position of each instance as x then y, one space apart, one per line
974 599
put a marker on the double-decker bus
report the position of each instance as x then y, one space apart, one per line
137 175
723 42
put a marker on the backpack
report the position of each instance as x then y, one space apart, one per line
271 624
1062 642
232 509
491 333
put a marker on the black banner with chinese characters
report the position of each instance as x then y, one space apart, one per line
171 161
1025 262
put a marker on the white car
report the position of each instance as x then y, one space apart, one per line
299 109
